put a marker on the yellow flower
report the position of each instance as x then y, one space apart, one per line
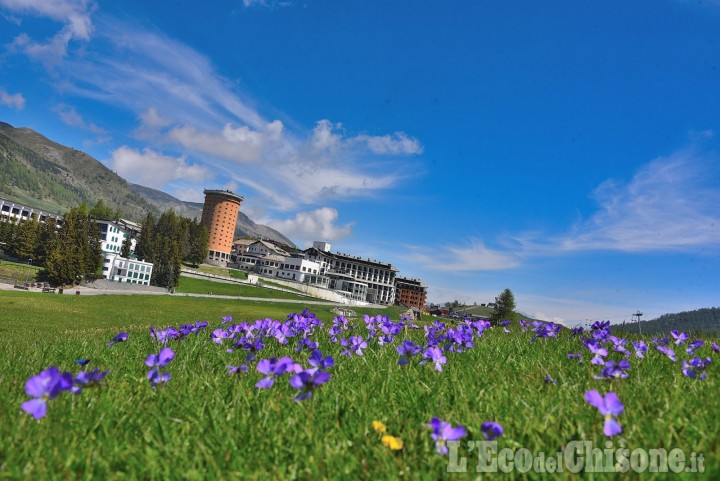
379 427
392 442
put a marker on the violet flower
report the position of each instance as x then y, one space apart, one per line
668 352
157 361
609 406
491 430
308 381
44 386
122 337
695 365
85 379
435 355
406 350
444 432
614 371
680 337
354 346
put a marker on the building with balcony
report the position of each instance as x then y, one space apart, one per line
219 216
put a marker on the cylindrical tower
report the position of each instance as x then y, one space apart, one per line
219 216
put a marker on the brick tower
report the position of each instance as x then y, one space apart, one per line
219 216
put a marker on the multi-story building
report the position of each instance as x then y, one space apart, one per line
16 213
131 271
219 216
298 268
113 235
410 292
378 276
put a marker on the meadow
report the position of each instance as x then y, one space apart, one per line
204 423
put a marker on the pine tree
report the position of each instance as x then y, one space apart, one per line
198 241
504 307
26 240
125 249
145 248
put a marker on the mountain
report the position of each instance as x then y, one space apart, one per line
245 226
37 171
700 320
41 173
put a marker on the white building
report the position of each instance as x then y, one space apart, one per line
131 271
112 236
298 269
378 276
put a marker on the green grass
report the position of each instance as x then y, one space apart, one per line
203 286
207 425
19 271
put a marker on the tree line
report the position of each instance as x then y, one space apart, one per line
73 253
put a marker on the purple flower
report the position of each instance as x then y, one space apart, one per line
599 352
435 355
44 386
680 337
407 349
157 361
87 379
691 369
549 380
318 362
354 346
273 368
612 370
218 335
307 381
577 331
491 430
237 369
668 352
444 432
122 337
715 347
609 406
696 344
82 362
226 319
640 348
664 341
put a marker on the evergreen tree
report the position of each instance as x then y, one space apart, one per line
168 244
26 240
47 234
145 247
504 307
102 211
198 241
125 249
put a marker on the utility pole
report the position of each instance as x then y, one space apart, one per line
638 314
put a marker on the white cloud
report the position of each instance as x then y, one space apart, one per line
69 115
153 169
669 204
319 224
396 144
76 15
474 257
16 101
151 118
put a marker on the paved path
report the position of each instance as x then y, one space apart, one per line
90 291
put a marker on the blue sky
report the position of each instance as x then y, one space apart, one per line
565 150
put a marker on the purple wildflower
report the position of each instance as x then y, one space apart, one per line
44 386
354 346
406 350
696 344
273 368
491 430
157 361
695 365
435 355
599 352
609 406
444 432
85 379
307 381
237 369
122 337
715 347
82 362
668 352
549 380
640 348
614 371
680 337
663 341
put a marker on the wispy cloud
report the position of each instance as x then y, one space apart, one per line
475 256
16 101
70 116
75 15
184 106
670 204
